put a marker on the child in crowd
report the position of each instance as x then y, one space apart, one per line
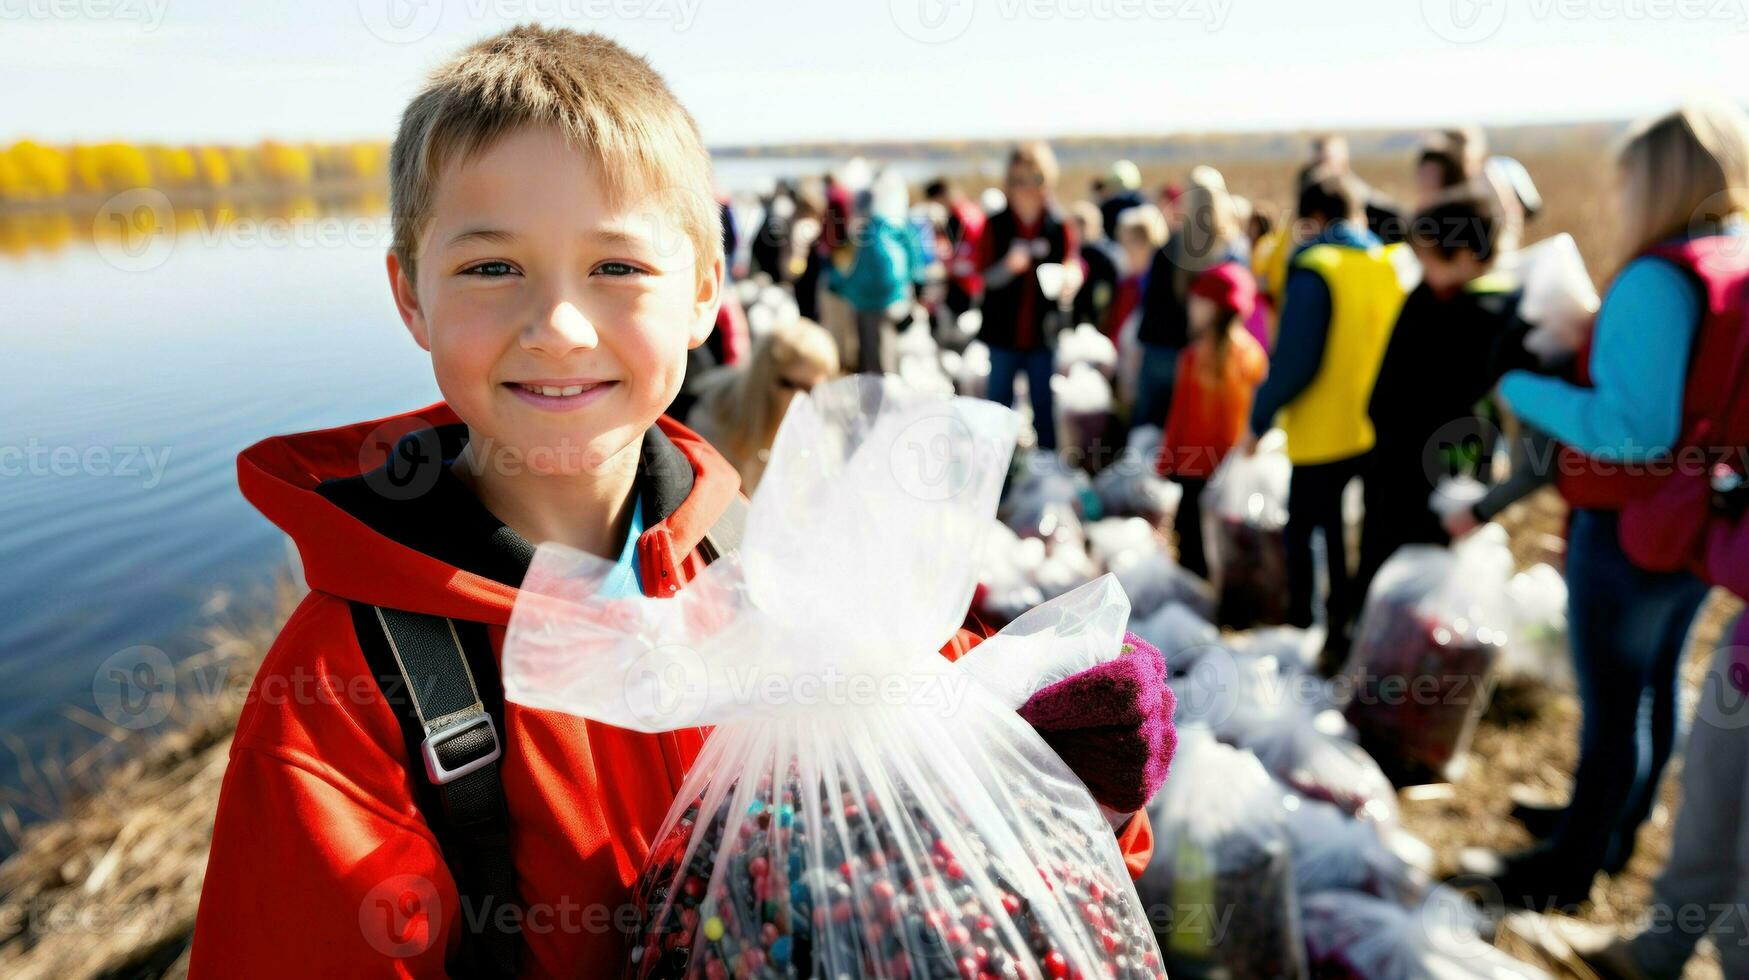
876 276
1217 375
964 227
1020 321
1457 333
404 819
1341 297
1100 261
739 408
1140 233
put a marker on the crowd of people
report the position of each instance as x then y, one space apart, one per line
1382 341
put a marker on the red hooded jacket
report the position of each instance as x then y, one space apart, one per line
321 862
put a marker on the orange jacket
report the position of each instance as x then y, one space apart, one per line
321 862
1209 410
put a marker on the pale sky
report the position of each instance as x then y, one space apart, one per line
788 70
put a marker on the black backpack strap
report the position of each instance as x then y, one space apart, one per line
725 535
427 667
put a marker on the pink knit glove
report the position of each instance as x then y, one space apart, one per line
1112 724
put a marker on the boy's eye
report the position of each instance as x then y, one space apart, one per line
618 269
489 270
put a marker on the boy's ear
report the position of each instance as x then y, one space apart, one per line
407 301
710 297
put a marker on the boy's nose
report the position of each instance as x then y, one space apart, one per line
563 329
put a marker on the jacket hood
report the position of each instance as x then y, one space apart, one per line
377 517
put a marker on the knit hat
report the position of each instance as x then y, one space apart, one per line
1229 286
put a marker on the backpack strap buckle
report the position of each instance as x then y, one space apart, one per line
459 744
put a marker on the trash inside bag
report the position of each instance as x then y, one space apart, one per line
1220 886
1353 936
862 806
1244 515
1432 629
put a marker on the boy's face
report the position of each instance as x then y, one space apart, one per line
558 323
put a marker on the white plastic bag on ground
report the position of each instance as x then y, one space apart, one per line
827 821
1176 632
1085 424
1332 850
1299 748
1130 485
1156 580
1421 670
1539 652
1043 480
1351 936
1220 886
1244 513
1086 345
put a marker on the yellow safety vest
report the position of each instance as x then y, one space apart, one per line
1328 421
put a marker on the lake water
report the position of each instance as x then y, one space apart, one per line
127 394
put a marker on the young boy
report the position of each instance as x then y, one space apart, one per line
385 812
1340 300
1457 333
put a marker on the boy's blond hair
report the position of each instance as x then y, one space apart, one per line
607 102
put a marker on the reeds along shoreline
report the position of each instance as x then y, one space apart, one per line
110 886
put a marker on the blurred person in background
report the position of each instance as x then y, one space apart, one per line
1140 233
1341 297
877 275
770 252
1457 333
1218 373
1208 235
1100 262
738 408
964 227
1118 191
1020 319
1653 363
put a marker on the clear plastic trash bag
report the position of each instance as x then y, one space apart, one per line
1430 633
1300 744
1043 480
1220 886
1352 936
1539 652
1177 632
862 807
1332 850
1244 515
1130 485
1153 580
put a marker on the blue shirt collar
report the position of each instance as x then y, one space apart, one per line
623 579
